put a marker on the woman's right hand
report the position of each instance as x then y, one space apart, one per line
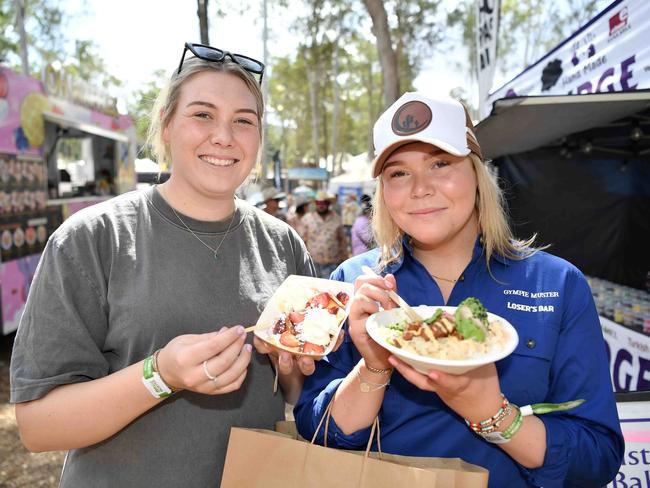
180 362
369 294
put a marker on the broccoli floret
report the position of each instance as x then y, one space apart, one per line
471 319
478 310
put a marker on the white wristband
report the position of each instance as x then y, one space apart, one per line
152 380
526 410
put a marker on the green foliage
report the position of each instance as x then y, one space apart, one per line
528 30
342 29
417 32
140 105
45 27
289 110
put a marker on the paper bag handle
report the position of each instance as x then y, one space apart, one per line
326 418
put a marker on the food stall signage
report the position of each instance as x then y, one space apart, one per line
58 83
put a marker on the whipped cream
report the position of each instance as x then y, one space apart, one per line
319 326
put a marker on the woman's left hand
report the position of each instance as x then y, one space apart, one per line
475 395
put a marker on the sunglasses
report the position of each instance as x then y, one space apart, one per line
209 53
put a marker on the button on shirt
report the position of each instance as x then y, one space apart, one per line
325 237
560 356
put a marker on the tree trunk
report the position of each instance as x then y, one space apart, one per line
20 21
335 111
202 12
311 65
387 56
371 113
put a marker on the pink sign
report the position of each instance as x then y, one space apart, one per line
21 106
15 280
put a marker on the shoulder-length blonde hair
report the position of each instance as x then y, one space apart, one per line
166 103
490 208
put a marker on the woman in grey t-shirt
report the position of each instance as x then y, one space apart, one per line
128 354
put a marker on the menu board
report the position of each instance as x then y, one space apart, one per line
24 222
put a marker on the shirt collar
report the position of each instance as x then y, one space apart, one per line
476 254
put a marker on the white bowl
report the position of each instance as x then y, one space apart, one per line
425 364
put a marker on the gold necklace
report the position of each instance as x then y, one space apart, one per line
215 251
432 275
443 279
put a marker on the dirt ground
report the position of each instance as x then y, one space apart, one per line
19 468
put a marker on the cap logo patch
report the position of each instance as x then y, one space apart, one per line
411 118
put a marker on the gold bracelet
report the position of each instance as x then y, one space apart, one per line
367 386
377 371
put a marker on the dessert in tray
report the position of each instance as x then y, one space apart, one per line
305 315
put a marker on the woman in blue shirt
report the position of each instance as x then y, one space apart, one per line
443 236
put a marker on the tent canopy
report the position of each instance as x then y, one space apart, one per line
521 124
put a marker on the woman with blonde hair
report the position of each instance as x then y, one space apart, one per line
442 237
128 354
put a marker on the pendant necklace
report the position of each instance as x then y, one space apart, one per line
214 251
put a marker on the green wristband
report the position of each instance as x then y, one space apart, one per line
514 427
152 380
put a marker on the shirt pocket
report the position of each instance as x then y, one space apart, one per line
525 375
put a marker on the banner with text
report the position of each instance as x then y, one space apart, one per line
610 53
487 34
629 356
635 424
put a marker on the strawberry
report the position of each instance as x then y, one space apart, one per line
289 340
310 348
320 301
296 317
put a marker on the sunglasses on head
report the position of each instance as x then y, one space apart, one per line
209 53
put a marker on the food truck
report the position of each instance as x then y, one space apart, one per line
63 147
570 139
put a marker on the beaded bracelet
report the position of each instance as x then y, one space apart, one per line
502 413
495 437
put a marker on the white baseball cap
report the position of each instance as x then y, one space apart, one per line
414 117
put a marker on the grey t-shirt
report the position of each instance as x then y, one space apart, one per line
119 280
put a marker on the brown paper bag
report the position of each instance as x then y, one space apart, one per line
262 458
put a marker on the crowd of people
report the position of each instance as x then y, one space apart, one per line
331 232
132 352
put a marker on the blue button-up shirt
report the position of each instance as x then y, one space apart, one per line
560 357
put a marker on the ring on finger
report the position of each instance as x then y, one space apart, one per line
207 373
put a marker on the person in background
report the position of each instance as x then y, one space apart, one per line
131 352
324 236
362 240
349 212
271 202
295 216
442 237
